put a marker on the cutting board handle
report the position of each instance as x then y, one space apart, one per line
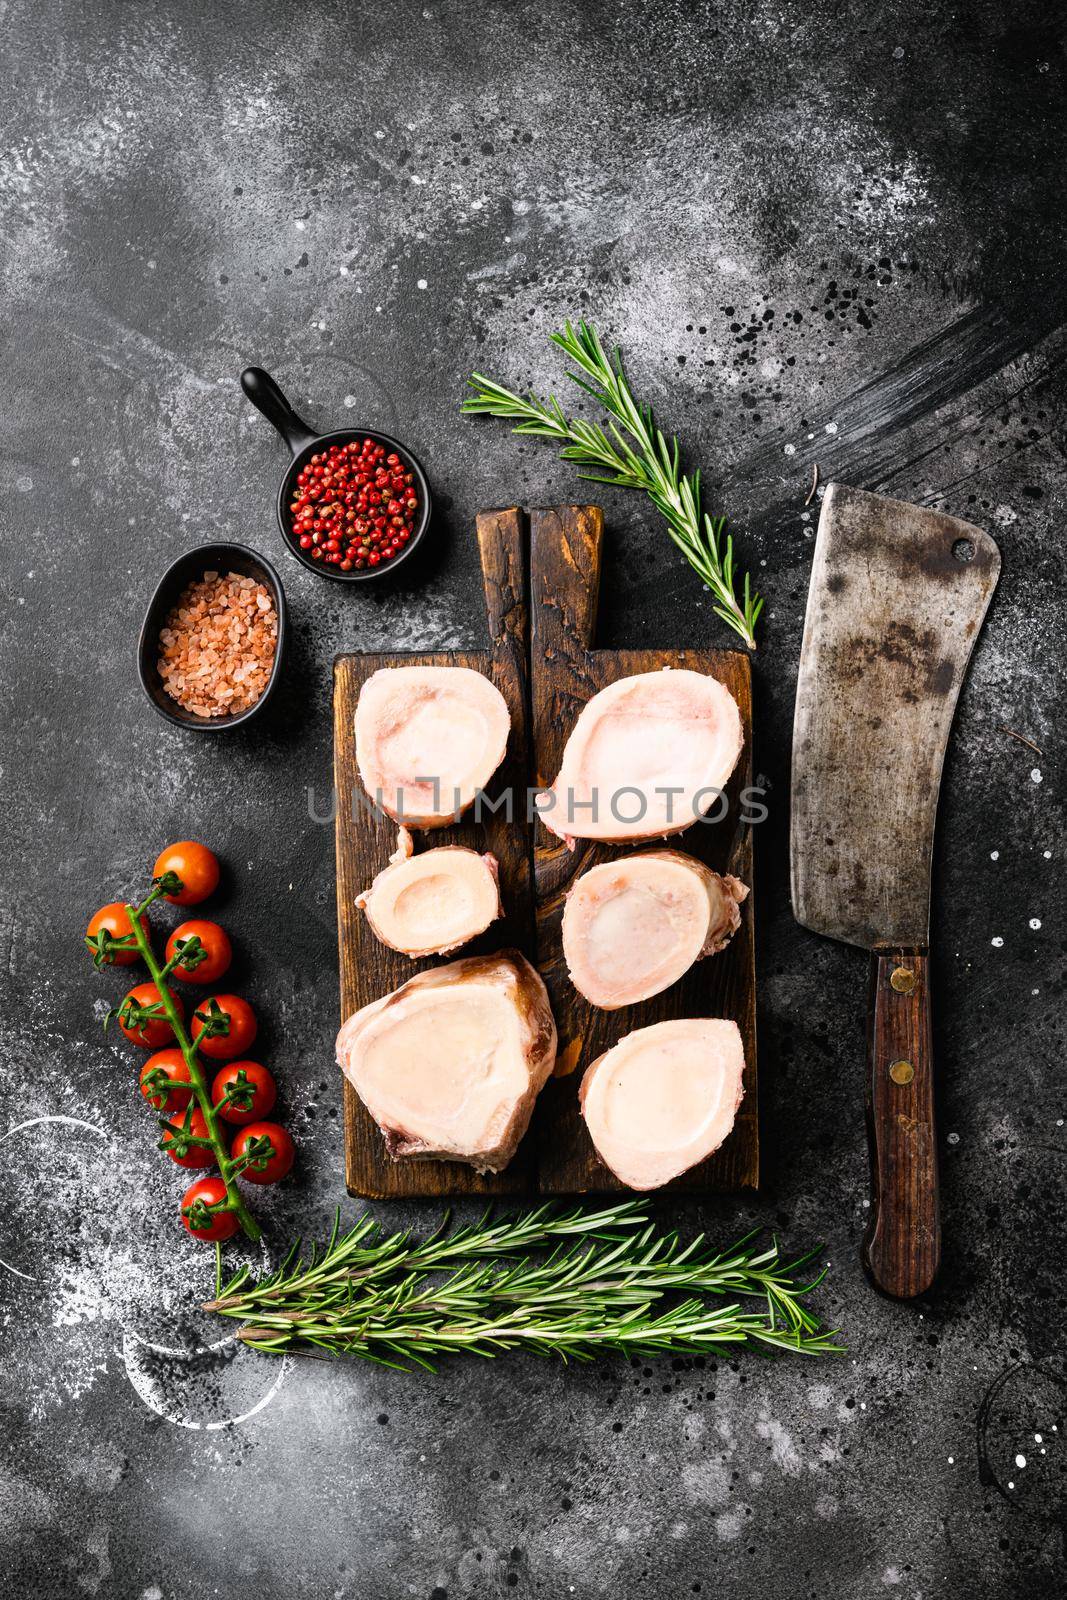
565 551
502 547
902 1248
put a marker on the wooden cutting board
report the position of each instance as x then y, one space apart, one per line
541 578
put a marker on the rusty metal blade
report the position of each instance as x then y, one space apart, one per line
897 597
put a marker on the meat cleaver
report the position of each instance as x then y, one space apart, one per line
897 597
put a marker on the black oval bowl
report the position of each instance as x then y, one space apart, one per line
288 484
188 567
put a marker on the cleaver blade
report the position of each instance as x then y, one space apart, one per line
897 596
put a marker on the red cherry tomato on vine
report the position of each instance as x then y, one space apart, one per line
253 1091
266 1169
113 920
208 1192
217 952
197 1155
238 1035
173 1065
195 865
153 1032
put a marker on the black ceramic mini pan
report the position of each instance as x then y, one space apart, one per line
303 443
187 569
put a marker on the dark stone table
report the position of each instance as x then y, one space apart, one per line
822 234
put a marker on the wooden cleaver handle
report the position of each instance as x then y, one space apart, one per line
902 1248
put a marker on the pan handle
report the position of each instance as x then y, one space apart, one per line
902 1248
268 398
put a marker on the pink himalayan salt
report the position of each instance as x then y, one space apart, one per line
217 645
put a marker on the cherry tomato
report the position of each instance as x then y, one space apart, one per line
195 865
173 1065
239 1034
267 1169
155 1031
112 921
216 948
220 1224
253 1091
197 1155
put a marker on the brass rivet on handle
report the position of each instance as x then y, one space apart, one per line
902 979
902 1072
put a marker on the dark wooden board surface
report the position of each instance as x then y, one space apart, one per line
370 969
565 554
554 632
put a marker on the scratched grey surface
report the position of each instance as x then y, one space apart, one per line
822 234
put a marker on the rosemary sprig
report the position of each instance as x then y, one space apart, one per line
606 1280
632 454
